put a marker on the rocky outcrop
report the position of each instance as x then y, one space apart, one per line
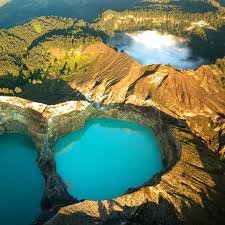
185 109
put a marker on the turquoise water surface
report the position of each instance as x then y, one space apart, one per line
106 157
22 184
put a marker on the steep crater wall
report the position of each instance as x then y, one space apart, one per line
45 124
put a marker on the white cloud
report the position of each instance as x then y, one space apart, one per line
151 47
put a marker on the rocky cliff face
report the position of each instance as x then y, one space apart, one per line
185 109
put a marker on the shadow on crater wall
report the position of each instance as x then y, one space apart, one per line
52 91
49 91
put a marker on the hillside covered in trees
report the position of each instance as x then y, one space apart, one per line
44 55
46 48
204 28
17 12
48 52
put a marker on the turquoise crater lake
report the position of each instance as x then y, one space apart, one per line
107 157
22 184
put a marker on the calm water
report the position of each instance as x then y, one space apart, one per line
106 157
151 47
22 184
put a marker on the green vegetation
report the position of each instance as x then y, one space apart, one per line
220 63
17 12
46 53
205 30
46 49
172 21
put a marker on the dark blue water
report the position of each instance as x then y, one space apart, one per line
106 157
22 184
